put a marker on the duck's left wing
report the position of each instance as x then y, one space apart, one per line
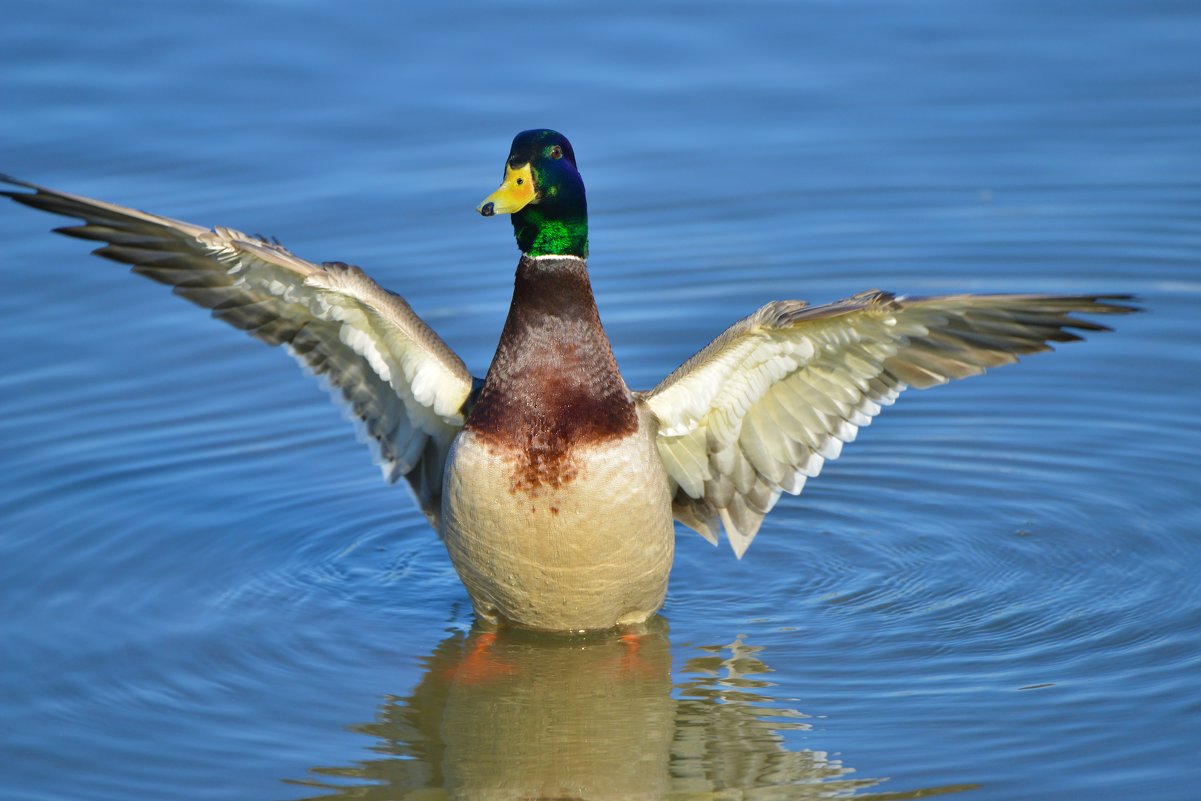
763 406
398 377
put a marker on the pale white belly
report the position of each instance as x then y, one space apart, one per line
591 548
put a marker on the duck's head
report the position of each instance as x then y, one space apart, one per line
544 193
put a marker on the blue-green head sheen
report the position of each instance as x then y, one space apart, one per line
556 222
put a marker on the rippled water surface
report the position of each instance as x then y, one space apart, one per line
206 591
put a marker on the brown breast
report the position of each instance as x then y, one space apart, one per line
553 384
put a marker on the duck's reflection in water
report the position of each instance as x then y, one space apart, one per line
513 715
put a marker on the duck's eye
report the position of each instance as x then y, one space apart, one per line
556 152
520 181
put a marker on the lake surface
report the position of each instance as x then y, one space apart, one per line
207 592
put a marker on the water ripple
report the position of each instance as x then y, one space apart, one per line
206 590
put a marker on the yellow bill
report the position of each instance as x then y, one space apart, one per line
515 193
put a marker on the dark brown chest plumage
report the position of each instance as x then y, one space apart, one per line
553 384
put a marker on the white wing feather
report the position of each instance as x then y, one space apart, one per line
398 377
762 408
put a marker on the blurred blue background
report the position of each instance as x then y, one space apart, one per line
207 592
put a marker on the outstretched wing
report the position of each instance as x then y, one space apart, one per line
399 378
762 407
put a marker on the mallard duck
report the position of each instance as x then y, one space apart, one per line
552 484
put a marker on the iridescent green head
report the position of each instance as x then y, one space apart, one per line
544 192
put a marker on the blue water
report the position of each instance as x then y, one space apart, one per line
206 592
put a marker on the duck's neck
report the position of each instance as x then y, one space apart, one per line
553 226
553 382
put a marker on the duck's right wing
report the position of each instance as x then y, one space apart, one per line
399 378
762 407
